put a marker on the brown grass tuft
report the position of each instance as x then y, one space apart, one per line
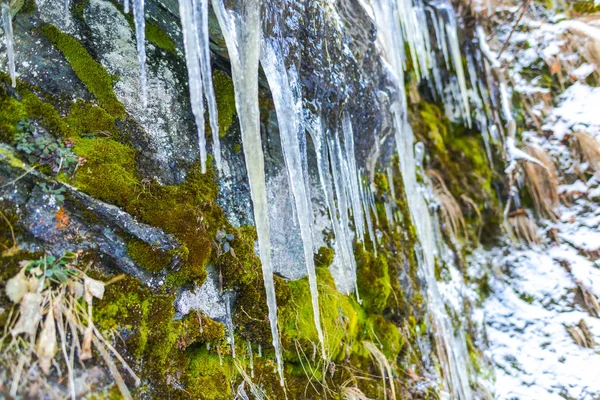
452 215
541 182
586 149
523 227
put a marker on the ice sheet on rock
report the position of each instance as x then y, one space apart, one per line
205 298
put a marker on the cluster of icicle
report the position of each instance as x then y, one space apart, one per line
347 194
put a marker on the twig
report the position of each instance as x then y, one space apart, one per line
525 7
19 177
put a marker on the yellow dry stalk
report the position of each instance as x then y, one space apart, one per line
587 149
523 227
384 367
450 210
541 182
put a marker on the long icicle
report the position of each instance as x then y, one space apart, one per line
203 52
9 40
190 38
139 19
272 63
242 32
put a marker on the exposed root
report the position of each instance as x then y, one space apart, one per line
523 227
541 182
452 215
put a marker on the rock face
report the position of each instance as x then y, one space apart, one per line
122 188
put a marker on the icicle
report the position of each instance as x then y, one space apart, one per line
344 243
367 211
275 71
458 69
351 177
250 358
241 31
9 40
230 324
126 6
140 35
343 208
259 351
203 52
219 354
190 44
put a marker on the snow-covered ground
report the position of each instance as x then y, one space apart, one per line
534 297
538 292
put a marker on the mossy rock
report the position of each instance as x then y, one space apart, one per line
109 171
373 279
146 256
88 70
225 98
339 318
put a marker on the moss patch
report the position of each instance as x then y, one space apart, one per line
90 72
225 97
373 280
146 256
158 37
109 170
339 316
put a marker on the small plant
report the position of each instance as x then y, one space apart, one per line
224 240
57 192
51 323
44 149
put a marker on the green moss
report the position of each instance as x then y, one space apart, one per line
339 318
28 105
197 328
586 7
373 279
225 97
109 170
237 148
206 377
158 37
324 257
385 334
90 72
146 256
381 182
189 212
86 118
28 7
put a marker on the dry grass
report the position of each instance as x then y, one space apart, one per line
523 227
353 393
50 326
581 335
586 149
452 215
541 182
384 367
